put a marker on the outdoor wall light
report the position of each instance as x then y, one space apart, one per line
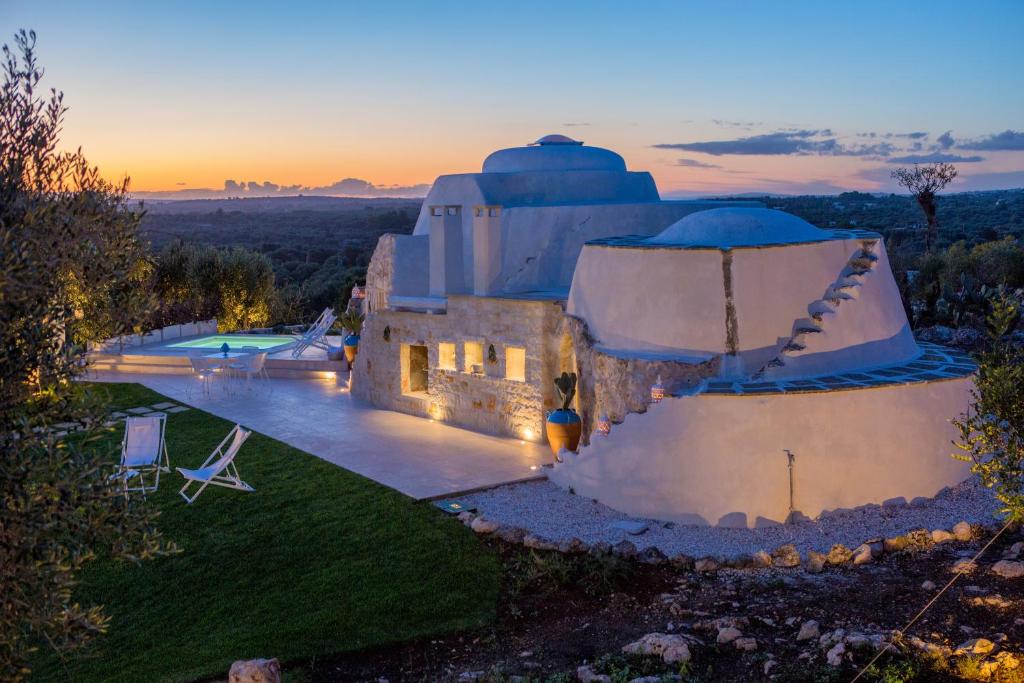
492 355
657 391
387 333
604 425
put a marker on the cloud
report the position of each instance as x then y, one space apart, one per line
347 187
693 163
945 141
576 124
725 123
934 158
799 142
1008 140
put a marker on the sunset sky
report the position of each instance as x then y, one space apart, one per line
710 97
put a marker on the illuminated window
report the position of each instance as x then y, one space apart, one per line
515 363
414 369
474 357
446 356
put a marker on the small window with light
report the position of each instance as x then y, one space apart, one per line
515 363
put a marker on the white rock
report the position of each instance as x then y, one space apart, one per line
630 526
941 536
484 526
728 634
975 646
255 671
670 647
962 531
1009 569
586 674
928 585
964 566
863 554
1014 551
835 655
745 643
705 564
808 630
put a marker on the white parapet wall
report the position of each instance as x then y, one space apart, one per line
719 459
115 344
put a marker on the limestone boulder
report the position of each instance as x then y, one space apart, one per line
727 635
809 630
839 555
1008 569
255 671
672 648
786 556
483 526
962 531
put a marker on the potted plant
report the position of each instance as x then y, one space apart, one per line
564 425
353 323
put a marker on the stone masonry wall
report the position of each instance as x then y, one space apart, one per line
618 386
484 402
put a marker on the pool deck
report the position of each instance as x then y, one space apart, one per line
159 357
420 458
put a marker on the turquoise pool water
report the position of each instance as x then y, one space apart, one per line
264 342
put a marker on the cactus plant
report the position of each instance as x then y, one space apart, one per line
566 386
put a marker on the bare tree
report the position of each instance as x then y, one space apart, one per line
924 182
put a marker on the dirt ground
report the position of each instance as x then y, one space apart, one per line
558 613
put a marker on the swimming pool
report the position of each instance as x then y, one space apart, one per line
264 342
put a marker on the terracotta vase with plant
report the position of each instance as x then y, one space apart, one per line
564 425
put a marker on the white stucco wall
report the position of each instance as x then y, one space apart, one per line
411 274
871 329
651 300
672 299
719 460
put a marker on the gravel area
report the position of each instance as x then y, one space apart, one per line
550 512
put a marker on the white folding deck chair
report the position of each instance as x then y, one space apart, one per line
219 469
143 453
314 336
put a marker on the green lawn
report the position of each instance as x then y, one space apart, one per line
317 561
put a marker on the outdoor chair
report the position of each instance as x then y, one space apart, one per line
143 453
204 369
314 336
251 366
218 469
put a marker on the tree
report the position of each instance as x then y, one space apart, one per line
69 260
924 182
247 293
992 430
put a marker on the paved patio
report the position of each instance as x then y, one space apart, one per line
420 458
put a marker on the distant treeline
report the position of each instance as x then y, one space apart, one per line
313 249
310 250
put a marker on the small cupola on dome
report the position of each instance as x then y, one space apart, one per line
738 227
556 139
554 153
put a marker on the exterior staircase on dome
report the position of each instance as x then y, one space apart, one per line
846 288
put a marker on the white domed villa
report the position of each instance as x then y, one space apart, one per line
736 365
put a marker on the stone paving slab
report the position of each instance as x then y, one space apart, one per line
164 406
142 410
420 458
177 409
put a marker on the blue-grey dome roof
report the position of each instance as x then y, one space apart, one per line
738 227
554 153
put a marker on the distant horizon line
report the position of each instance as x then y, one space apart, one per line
669 197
